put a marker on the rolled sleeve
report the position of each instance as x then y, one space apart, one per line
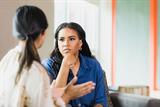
100 88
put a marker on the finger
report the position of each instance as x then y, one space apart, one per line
85 92
53 83
90 83
87 89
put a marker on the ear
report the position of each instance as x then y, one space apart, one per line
40 40
80 45
43 33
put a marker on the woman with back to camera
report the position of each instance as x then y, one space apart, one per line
72 57
23 80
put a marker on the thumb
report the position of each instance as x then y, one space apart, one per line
73 81
53 83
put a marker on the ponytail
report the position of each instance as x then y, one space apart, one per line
26 58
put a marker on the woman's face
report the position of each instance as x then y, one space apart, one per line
69 42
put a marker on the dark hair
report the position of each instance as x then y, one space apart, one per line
29 22
85 51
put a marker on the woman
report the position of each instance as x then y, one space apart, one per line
23 80
72 57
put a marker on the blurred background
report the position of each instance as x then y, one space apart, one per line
122 34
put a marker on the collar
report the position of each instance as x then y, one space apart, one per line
19 48
83 65
83 62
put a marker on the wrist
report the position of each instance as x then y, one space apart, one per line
66 98
65 65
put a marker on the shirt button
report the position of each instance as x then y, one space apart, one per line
79 105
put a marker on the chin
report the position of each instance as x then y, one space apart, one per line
63 55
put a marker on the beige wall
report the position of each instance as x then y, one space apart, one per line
7 10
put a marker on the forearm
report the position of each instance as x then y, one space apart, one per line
62 77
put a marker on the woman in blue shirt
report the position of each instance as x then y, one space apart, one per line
72 57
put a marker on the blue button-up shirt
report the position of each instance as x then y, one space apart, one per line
90 70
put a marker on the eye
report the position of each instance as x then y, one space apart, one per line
61 39
72 39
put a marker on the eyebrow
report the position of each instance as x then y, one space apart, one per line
72 36
68 36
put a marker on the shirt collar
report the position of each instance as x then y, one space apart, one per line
83 62
83 65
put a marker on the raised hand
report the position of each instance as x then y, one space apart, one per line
74 91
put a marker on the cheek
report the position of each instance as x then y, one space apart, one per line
59 46
42 40
76 47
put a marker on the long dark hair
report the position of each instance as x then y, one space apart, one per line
85 51
28 23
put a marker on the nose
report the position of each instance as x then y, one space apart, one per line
66 43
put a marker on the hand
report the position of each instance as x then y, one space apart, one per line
74 91
56 92
70 60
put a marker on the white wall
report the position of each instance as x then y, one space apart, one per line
105 36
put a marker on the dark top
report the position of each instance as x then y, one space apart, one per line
90 70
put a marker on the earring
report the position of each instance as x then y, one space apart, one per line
80 49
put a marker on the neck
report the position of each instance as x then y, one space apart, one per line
22 43
76 67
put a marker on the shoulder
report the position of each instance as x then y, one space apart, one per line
89 61
9 58
38 75
92 65
38 67
39 71
48 62
11 53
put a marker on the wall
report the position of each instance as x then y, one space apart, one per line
7 10
132 42
105 37
158 74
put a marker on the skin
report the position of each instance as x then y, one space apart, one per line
40 40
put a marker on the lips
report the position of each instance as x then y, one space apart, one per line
66 50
